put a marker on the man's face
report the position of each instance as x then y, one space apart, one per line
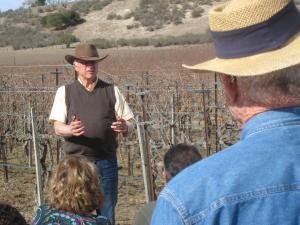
86 69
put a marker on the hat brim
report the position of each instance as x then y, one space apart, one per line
259 64
70 58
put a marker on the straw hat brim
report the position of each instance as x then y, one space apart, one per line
70 58
262 63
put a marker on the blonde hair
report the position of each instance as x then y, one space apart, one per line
75 186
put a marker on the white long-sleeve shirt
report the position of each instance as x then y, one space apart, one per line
59 108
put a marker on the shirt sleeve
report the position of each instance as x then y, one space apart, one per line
59 108
121 107
165 213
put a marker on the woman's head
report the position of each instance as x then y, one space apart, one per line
75 185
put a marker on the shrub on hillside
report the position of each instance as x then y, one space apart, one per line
71 17
61 20
119 17
100 5
123 42
186 6
177 15
128 15
206 2
131 26
186 39
113 16
137 42
153 14
19 16
86 6
197 12
104 43
82 6
156 42
20 38
67 39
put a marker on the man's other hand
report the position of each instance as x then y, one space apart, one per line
76 126
120 126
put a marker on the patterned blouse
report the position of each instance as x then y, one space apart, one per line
46 215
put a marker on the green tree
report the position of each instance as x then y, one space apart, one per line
61 20
67 38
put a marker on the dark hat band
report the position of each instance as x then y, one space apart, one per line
258 38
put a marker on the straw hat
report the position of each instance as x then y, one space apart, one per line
86 52
253 37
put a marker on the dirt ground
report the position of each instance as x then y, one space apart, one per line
121 59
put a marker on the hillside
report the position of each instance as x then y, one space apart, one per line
98 26
108 23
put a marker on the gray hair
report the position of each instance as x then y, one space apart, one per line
279 86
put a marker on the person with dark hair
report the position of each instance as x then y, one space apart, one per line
177 158
256 180
74 195
89 113
9 215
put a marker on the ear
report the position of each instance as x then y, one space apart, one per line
230 88
75 66
165 176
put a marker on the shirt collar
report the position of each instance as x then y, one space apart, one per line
92 86
271 119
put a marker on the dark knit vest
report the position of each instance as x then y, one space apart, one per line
96 110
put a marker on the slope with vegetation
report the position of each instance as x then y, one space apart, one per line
106 23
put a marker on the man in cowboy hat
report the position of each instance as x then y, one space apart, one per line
257 180
89 113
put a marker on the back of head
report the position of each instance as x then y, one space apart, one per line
75 186
179 157
275 89
10 215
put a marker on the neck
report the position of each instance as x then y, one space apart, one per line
87 82
243 114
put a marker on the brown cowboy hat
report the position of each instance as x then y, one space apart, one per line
253 37
86 52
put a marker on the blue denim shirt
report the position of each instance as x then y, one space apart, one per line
254 182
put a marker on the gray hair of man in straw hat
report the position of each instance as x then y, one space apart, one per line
277 88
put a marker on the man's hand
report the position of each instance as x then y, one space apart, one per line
76 126
120 126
